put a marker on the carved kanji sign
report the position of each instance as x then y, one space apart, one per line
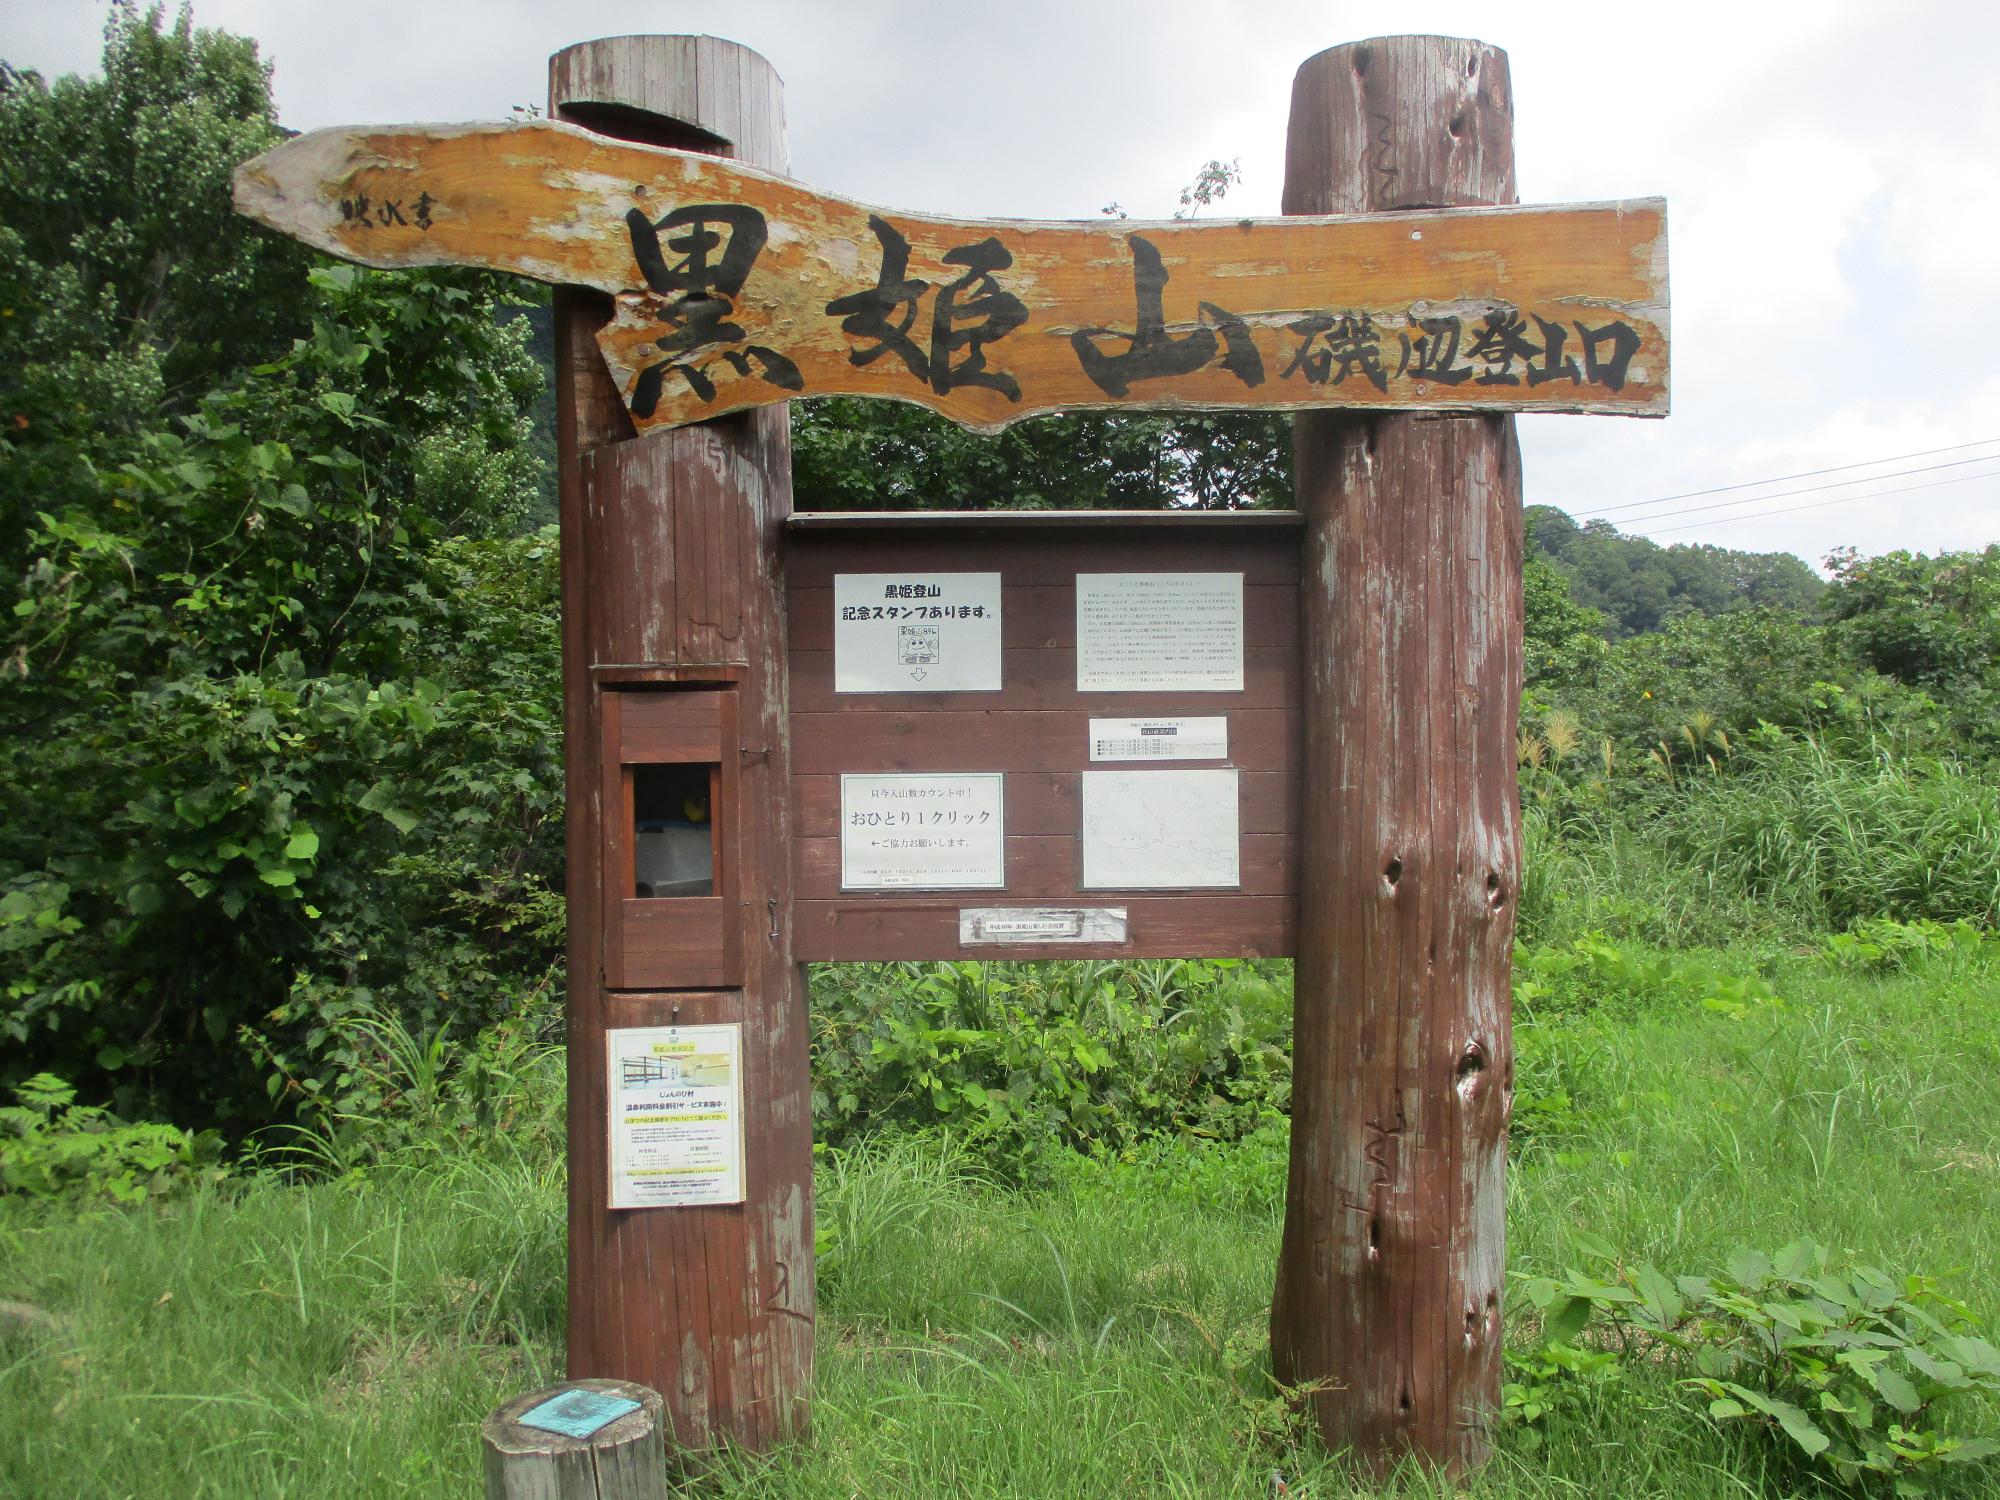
736 288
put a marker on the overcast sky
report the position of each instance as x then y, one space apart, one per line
1830 169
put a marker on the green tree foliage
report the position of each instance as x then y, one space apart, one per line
880 455
279 673
1561 638
1933 622
1638 585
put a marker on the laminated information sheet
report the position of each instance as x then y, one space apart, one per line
676 1115
1159 632
916 632
940 833
1159 830
1159 739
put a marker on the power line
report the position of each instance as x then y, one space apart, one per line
1751 484
1934 484
1810 489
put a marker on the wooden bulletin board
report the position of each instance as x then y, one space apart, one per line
1036 731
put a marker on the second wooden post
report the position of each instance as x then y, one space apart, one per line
679 836
1388 1301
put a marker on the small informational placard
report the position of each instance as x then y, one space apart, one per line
916 632
1159 632
1159 739
577 1414
1159 830
1041 924
676 1115
923 832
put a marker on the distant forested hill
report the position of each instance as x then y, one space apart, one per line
1638 585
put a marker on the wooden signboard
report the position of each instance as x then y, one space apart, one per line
737 288
1040 736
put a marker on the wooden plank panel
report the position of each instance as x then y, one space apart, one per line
1002 740
1038 679
676 940
803 293
1037 550
669 725
1158 927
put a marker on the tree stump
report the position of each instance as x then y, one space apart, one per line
626 1459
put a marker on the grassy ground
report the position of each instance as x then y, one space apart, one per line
1103 1335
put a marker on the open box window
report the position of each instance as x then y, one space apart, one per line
670 758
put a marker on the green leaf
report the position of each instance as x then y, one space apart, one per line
111 1057
303 844
1750 1269
1566 1319
1796 1260
1593 1246
1662 1301
380 800
1897 1391
1800 1428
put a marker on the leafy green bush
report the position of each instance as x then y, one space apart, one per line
1018 1056
1879 944
53 1147
1848 1370
280 679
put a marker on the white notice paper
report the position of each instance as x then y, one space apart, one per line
916 632
1159 739
1159 632
939 833
1159 830
676 1115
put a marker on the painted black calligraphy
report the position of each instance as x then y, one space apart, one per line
1502 339
1151 353
971 313
968 313
719 245
1330 349
1608 369
887 311
1433 354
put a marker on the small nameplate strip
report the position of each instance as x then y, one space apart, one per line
1041 924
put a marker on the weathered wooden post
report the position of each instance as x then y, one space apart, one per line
673 658
1390 1275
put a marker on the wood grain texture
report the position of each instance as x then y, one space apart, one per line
1390 1273
732 287
670 546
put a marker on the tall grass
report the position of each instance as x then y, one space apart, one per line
1789 841
1834 840
1102 1336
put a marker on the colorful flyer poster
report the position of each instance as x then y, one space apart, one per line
676 1115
